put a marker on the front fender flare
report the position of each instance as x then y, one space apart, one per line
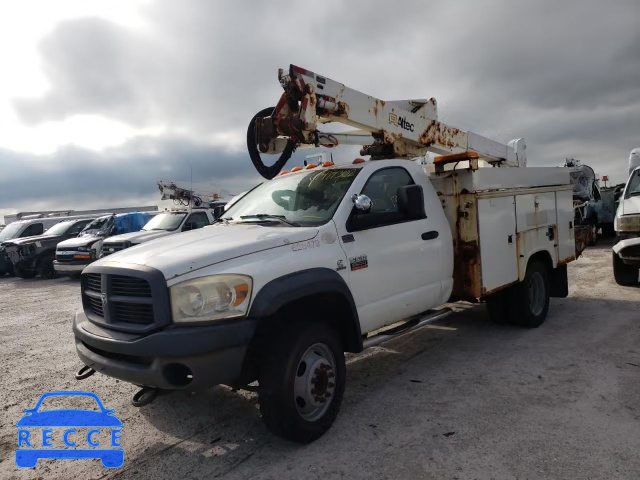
305 283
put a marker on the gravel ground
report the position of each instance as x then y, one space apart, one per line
462 399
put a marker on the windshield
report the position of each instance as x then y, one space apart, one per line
632 189
306 199
59 228
99 225
165 221
10 231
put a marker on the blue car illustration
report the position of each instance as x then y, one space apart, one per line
104 419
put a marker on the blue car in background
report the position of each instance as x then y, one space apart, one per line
71 419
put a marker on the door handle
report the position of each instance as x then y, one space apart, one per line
430 235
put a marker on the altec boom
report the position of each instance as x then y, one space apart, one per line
385 129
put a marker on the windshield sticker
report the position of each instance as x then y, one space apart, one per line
358 263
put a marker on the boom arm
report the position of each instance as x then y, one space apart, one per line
170 191
385 129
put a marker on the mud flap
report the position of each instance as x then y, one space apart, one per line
559 282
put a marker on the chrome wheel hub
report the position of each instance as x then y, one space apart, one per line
315 383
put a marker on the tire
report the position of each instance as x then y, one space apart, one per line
498 307
45 267
306 356
593 238
607 230
529 299
22 273
624 274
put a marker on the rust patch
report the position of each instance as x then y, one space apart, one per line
342 110
566 261
440 134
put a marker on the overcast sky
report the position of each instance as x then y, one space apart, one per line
100 98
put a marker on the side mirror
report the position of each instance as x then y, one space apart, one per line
411 202
361 202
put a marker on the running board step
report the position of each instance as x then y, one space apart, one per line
422 320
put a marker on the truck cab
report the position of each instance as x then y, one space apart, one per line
163 224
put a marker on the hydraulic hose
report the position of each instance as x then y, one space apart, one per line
271 171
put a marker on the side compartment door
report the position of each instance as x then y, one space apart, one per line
497 230
566 232
536 224
394 262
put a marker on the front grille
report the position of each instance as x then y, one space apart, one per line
125 302
95 306
132 312
129 286
109 248
631 252
94 282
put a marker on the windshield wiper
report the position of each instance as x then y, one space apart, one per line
220 219
266 216
633 194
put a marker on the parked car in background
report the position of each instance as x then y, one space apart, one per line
31 256
22 229
626 251
76 253
165 223
595 208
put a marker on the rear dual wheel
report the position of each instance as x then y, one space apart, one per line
525 304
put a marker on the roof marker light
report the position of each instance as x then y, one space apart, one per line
358 160
328 164
296 169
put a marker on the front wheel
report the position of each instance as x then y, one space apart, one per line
624 274
45 267
23 273
302 380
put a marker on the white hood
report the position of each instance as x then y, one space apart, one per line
139 237
184 252
630 206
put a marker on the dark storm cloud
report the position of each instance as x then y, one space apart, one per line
74 176
564 75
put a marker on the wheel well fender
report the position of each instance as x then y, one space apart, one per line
315 291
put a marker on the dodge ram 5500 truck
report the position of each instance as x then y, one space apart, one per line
326 259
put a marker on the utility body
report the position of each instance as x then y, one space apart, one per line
326 259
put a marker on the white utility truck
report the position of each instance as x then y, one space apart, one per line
626 251
197 212
330 258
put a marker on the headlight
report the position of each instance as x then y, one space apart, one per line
86 248
216 297
628 223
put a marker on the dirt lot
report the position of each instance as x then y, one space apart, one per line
462 399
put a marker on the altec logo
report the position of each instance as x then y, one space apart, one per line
400 122
43 433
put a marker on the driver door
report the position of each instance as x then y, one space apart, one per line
394 264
